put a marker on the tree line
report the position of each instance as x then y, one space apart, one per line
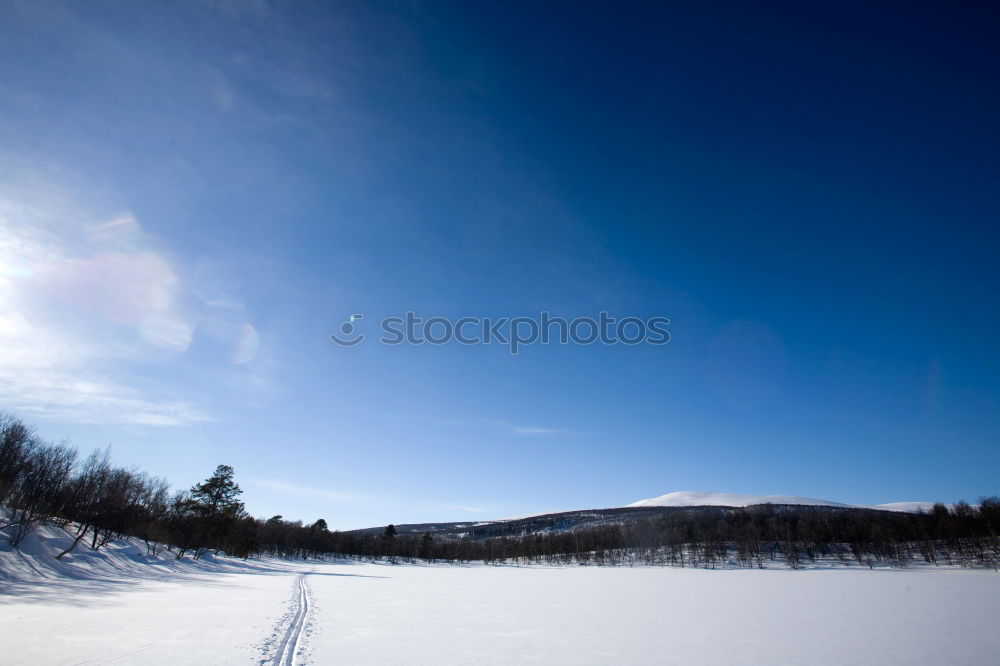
724 536
43 482
48 483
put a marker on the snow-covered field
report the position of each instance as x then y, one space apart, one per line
122 608
583 615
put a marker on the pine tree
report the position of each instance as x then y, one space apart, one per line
425 545
217 495
216 503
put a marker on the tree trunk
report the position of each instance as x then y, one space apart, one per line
79 537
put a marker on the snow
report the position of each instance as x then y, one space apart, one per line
908 507
704 498
120 607
379 614
592 615
184 619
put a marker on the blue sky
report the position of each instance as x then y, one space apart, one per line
193 197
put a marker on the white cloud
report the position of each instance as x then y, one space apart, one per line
78 297
246 345
73 397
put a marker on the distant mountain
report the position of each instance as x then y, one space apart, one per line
908 507
690 503
703 498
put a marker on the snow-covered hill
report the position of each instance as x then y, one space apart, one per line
703 498
35 560
908 507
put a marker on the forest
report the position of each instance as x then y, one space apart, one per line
43 482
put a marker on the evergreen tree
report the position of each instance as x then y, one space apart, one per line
217 495
426 541
216 503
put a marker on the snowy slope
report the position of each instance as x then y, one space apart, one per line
703 498
121 606
908 507
35 561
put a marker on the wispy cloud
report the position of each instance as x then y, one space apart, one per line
513 428
81 297
535 430
468 509
307 491
75 398
339 497
532 430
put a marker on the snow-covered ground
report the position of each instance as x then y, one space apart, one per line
583 615
119 607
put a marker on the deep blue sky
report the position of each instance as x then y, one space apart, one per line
193 196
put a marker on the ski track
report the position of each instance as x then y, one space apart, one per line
291 642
